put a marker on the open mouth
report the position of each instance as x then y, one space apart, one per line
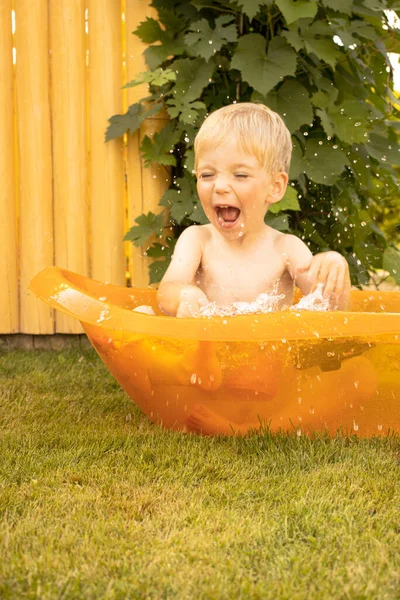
227 215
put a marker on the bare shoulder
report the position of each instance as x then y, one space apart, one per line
194 234
290 244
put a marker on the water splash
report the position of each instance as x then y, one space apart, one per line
264 303
314 301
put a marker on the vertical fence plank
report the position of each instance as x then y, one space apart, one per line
106 159
65 187
145 185
68 85
8 233
34 152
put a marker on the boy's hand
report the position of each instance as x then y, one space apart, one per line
190 301
332 271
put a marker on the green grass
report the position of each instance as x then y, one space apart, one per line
97 502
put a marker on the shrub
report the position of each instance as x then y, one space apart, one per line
324 66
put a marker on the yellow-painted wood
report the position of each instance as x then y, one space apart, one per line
8 233
34 152
145 185
62 187
70 158
106 159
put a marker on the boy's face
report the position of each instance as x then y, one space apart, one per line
235 190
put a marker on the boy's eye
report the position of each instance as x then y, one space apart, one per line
241 175
205 175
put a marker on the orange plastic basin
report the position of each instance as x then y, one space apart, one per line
288 370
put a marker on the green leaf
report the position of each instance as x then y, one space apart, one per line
350 120
294 10
205 42
364 31
164 251
288 202
159 77
171 19
318 40
280 222
130 121
192 76
360 167
155 55
323 48
182 207
180 200
310 231
150 154
251 7
370 255
292 102
293 37
160 148
189 160
343 6
198 215
156 250
391 263
296 164
147 225
325 122
322 163
323 99
383 150
189 113
149 31
260 69
341 27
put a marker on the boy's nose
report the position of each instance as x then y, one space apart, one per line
221 184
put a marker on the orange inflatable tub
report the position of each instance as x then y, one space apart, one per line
291 370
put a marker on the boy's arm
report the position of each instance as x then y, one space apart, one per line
328 268
177 295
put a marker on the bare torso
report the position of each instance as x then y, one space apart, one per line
239 272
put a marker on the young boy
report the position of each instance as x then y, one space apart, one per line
242 162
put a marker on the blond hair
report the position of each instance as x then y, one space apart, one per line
260 131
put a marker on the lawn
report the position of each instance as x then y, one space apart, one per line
97 502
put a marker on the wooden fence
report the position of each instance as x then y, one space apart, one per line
66 197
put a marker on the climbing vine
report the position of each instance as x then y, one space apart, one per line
325 67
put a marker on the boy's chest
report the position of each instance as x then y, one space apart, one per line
229 277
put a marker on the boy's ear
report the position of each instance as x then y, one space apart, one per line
278 187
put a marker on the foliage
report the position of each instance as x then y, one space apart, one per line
324 66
